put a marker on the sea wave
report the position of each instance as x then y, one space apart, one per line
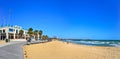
96 42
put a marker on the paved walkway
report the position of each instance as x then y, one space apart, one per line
12 50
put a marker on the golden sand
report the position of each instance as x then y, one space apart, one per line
2 42
63 50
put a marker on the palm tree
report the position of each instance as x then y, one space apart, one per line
30 31
21 33
35 33
40 33
44 37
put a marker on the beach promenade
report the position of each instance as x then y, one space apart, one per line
12 50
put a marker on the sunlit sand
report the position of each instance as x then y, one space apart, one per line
63 50
2 42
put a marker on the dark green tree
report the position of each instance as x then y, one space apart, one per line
36 33
40 34
21 33
30 31
45 37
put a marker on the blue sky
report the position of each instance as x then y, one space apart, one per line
93 19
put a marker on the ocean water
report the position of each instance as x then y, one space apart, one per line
112 43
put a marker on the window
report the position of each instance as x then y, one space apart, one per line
11 30
25 32
17 31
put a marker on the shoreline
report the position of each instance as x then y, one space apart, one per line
88 44
100 43
63 50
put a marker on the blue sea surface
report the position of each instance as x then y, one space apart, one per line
113 43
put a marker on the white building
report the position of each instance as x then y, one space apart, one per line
11 32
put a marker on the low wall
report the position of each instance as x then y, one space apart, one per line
18 39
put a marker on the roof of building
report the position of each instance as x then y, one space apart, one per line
15 26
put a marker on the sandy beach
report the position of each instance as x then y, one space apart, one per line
2 42
63 50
